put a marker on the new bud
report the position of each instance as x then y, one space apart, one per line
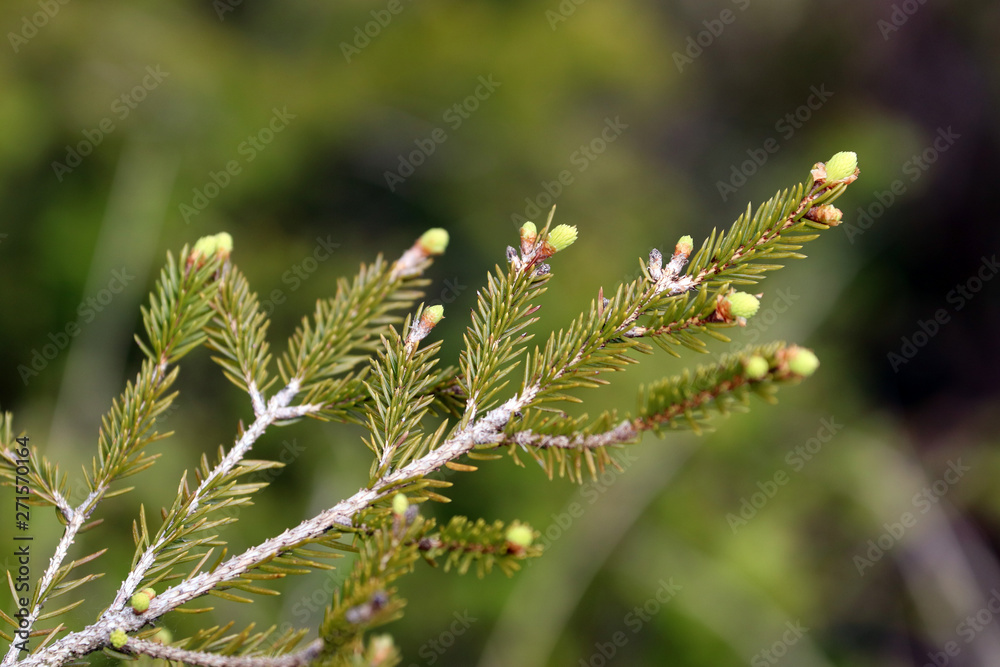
519 536
756 367
802 361
400 504
162 636
742 304
827 214
684 246
529 234
139 602
432 315
562 237
841 166
220 245
381 649
118 638
434 241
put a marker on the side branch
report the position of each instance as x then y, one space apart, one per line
277 410
486 429
203 659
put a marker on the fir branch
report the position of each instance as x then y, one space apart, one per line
173 322
181 522
345 329
239 333
202 659
491 348
367 599
463 542
503 310
400 393
322 360
679 401
45 483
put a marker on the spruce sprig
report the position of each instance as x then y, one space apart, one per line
345 329
204 299
238 332
400 390
494 339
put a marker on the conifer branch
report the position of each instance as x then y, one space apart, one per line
173 528
723 386
392 396
202 659
346 329
173 322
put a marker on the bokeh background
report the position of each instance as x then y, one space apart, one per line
127 129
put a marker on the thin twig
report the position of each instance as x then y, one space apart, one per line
203 659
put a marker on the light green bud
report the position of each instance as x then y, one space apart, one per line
802 361
432 315
756 367
562 237
118 638
400 504
520 535
139 602
742 304
434 241
841 166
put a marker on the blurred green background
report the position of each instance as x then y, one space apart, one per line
855 523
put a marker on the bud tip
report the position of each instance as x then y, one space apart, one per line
802 361
520 535
756 367
562 237
842 165
118 638
433 315
742 304
434 241
139 602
